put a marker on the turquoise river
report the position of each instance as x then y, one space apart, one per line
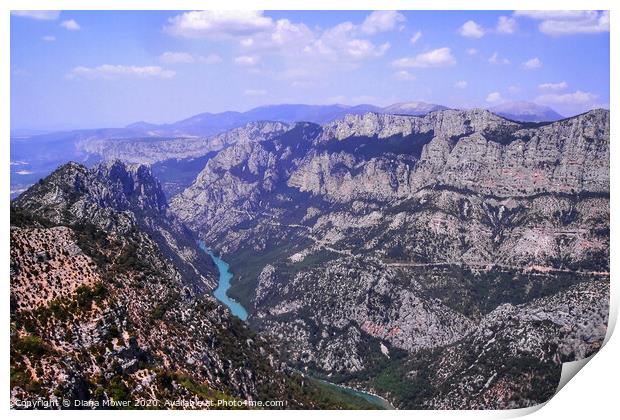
238 310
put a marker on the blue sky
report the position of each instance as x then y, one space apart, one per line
95 69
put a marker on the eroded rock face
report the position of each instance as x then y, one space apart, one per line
119 197
125 327
513 358
232 184
474 150
47 264
385 235
449 123
353 296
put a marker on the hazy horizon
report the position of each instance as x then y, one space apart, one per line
66 127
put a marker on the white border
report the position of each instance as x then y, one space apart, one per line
592 395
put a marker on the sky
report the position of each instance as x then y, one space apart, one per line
86 69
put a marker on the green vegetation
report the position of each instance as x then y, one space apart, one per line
117 390
248 264
92 240
476 293
34 348
31 346
327 396
167 304
87 295
22 218
201 390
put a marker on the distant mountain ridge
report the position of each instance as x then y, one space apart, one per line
211 123
208 123
56 148
526 112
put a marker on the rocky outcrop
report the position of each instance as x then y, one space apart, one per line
356 297
475 150
512 359
471 195
449 123
117 197
235 182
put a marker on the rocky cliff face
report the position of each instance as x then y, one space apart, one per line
176 160
100 312
479 190
120 198
511 359
235 182
378 236
475 150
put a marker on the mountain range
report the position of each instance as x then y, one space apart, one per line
376 238
452 259
207 123
90 146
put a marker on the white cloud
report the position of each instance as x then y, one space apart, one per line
552 14
284 36
494 97
496 59
255 92
441 57
256 34
553 86
48 38
247 60
461 84
170 57
214 23
299 74
246 42
471 29
506 25
576 98
70 25
514 89
37 14
381 21
340 43
361 48
471 51
403 75
415 37
532 63
569 22
109 71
